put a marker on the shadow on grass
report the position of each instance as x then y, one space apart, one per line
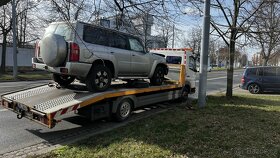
246 100
225 128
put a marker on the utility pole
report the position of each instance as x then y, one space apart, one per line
14 40
204 56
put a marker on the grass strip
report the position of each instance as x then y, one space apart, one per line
244 126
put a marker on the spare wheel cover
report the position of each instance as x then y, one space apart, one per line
53 50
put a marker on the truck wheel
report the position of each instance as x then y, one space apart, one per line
158 76
63 80
99 79
124 110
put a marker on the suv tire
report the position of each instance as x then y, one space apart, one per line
63 80
158 76
99 79
254 88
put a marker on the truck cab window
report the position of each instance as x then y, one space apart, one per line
192 63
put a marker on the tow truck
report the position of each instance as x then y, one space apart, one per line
47 103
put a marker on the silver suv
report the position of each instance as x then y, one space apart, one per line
95 55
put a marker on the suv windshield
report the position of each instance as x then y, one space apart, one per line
60 29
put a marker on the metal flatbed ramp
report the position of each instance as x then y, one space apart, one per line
44 104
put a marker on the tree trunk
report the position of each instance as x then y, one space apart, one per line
3 60
265 61
231 61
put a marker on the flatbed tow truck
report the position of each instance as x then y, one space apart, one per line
47 103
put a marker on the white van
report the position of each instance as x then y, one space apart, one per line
176 57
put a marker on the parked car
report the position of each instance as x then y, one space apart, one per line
95 55
260 79
209 68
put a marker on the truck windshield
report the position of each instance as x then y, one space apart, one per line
173 59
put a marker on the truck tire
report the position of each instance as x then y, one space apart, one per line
124 110
158 76
63 80
53 49
99 79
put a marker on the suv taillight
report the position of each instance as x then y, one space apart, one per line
74 52
37 50
243 79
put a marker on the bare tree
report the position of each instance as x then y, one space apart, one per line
160 10
243 60
164 30
230 22
266 29
72 10
6 27
214 45
194 40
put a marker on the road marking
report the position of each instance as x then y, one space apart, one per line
2 110
210 79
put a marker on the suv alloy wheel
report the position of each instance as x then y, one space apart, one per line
254 88
99 78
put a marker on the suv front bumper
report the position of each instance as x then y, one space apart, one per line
70 68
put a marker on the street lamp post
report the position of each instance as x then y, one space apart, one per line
204 56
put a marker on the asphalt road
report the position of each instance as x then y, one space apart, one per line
216 80
17 134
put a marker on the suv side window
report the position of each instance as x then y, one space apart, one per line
269 71
135 45
117 41
95 35
252 72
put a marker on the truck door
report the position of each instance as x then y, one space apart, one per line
191 69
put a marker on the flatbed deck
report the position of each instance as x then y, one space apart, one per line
45 104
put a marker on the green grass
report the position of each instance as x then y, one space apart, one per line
218 68
244 126
221 68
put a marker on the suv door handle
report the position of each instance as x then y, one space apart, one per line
112 52
133 55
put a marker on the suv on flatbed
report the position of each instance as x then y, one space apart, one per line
95 55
